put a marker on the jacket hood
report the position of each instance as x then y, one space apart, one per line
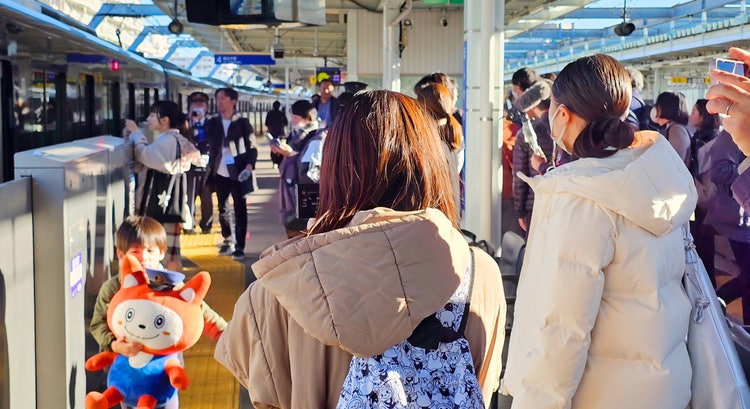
367 286
648 184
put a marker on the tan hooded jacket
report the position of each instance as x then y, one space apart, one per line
359 290
601 316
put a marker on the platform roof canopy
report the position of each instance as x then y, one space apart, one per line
544 34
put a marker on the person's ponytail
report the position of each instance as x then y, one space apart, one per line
602 137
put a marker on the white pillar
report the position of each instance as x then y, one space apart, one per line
391 59
352 51
483 79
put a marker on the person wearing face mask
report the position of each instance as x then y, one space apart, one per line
601 316
304 141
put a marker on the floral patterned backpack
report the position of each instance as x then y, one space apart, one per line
433 368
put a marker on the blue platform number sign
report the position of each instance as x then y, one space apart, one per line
76 274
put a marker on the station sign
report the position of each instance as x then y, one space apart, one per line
244 59
678 80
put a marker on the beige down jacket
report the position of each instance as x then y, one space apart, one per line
601 317
359 290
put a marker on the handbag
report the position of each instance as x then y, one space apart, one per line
718 378
164 195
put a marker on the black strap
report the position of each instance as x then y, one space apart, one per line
431 332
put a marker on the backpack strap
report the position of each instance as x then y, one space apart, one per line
431 332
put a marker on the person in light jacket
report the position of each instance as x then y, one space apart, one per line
161 155
601 316
383 253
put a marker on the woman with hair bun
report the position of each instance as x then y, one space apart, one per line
601 316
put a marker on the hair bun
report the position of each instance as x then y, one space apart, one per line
602 137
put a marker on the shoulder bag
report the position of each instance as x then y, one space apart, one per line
718 378
164 195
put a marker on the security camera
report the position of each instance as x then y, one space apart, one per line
624 29
444 22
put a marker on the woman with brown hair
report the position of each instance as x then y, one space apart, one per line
382 255
438 100
601 315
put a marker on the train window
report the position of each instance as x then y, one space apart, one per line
76 112
102 106
36 111
141 108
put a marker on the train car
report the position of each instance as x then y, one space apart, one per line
59 82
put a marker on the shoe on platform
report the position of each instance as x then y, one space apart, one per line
227 249
238 255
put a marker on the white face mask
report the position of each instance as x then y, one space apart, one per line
557 137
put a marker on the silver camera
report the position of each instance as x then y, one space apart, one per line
444 22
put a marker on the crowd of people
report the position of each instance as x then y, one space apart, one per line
214 154
377 277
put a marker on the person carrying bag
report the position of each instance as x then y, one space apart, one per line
161 191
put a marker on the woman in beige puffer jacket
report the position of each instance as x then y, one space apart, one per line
383 254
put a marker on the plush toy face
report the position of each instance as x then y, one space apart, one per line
149 323
164 322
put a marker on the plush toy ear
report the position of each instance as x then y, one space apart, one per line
132 273
195 289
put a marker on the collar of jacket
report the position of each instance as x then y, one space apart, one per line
648 184
365 287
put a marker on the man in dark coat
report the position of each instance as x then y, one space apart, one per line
275 123
232 160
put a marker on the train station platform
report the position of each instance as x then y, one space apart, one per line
212 386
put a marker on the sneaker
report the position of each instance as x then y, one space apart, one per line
227 249
238 255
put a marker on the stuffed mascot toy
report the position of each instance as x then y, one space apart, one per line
165 322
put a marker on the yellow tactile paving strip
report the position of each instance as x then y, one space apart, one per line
211 385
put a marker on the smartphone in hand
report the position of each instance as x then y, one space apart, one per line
272 140
732 66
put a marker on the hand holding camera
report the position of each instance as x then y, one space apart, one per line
730 96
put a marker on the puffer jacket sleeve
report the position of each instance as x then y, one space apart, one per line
160 155
253 342
558 300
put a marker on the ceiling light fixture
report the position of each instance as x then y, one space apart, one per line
625 28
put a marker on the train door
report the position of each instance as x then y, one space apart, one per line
131 112
89 106
114 124
6 125
146 103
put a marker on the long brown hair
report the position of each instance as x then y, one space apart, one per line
438 100
382 150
